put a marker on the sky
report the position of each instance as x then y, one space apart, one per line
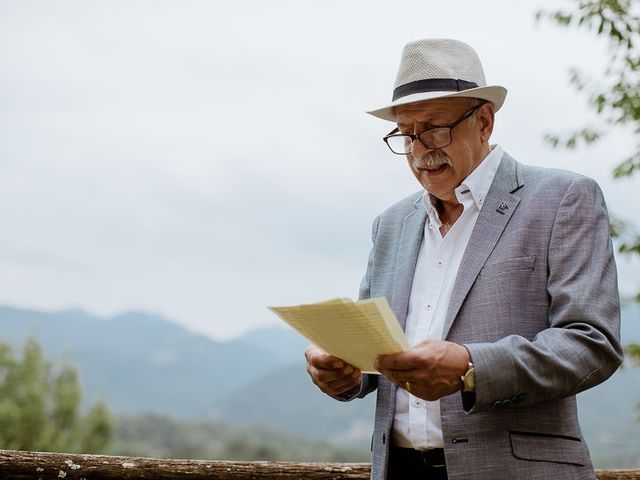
204 159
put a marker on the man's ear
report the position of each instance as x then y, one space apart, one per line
486 114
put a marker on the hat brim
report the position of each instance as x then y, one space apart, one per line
494 94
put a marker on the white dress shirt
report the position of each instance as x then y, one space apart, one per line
416 423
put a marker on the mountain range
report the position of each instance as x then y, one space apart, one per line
141 363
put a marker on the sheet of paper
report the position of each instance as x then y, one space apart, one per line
356 332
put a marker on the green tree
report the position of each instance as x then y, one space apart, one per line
614 96
40 407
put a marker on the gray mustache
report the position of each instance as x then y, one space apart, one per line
436 158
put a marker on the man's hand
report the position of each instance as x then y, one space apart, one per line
430 370
332 375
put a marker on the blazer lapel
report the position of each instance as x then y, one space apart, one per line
407 256
499 205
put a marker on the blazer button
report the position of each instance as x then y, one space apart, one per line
497 405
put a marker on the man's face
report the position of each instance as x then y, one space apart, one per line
440 171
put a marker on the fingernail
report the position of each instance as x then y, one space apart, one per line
347 370
338 364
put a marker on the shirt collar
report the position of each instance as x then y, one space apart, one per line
477 184
479 181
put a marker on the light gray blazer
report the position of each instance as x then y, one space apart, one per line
535 302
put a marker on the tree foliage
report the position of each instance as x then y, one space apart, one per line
40 407
614 96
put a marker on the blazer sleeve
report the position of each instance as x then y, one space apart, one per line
581 347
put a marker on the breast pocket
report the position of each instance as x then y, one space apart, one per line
518 264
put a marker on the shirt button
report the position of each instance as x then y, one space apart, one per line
431 226
417 403
428 306
439 263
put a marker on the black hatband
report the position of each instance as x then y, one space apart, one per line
432 85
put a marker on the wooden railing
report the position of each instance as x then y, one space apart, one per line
18 465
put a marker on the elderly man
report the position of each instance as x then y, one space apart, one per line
503 278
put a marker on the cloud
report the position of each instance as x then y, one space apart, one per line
205 159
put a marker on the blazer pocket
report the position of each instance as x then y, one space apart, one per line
510 265
549 448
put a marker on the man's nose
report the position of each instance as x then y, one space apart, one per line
418 149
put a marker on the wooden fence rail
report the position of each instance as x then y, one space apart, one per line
20 465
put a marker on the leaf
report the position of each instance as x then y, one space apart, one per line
586 135
633 353
616 227
633 246
627 168
615 33
562 18
552 140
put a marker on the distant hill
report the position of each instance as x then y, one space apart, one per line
160 437
140 362
610 412
630 325
282 344
286 398
608 419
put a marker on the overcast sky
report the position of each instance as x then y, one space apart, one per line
205 159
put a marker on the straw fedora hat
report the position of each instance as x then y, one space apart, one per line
439 68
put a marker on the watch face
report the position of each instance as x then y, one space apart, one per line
469 380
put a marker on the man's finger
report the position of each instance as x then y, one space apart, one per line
330 375
399 377
342 385
321 359
396 361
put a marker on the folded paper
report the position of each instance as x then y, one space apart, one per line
356 332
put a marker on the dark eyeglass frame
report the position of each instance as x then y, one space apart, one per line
426 143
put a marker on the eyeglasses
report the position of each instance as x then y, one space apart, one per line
438 136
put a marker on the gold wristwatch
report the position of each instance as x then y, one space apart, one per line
469 379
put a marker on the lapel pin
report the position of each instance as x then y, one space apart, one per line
502 207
